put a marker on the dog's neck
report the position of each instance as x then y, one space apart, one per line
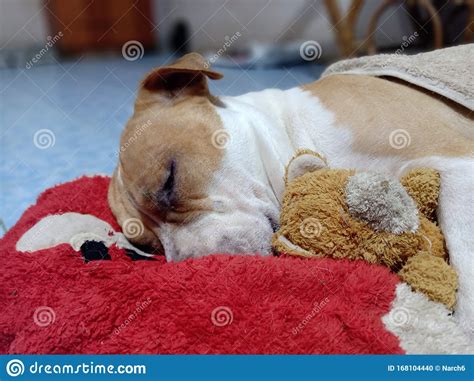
268 127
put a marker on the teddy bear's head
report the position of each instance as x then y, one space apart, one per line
345 214
358 215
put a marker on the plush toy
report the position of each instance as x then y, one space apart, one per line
342 213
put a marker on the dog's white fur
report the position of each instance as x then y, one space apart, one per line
265 129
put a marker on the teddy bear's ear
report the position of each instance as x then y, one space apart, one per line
303 162
422 184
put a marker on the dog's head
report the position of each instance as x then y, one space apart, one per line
181 185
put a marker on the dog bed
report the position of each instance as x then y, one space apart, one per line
92 293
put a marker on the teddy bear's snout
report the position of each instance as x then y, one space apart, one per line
381 202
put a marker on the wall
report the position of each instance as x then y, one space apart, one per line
270 21
22 23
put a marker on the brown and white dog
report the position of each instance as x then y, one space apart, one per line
204 174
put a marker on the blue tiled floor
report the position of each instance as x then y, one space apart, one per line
85 103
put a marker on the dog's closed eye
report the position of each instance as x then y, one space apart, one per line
165 197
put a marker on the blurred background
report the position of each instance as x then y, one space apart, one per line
69 68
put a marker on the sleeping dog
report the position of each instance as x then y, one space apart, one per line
204 174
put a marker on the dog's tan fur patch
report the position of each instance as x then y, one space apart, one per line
375 107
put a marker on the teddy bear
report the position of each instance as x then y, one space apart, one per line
347 214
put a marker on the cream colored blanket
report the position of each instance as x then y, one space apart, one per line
448 72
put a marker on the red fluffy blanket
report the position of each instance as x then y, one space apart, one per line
53 301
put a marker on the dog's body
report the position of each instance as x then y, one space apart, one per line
206 175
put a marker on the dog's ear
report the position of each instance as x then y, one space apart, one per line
303 162
187 76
